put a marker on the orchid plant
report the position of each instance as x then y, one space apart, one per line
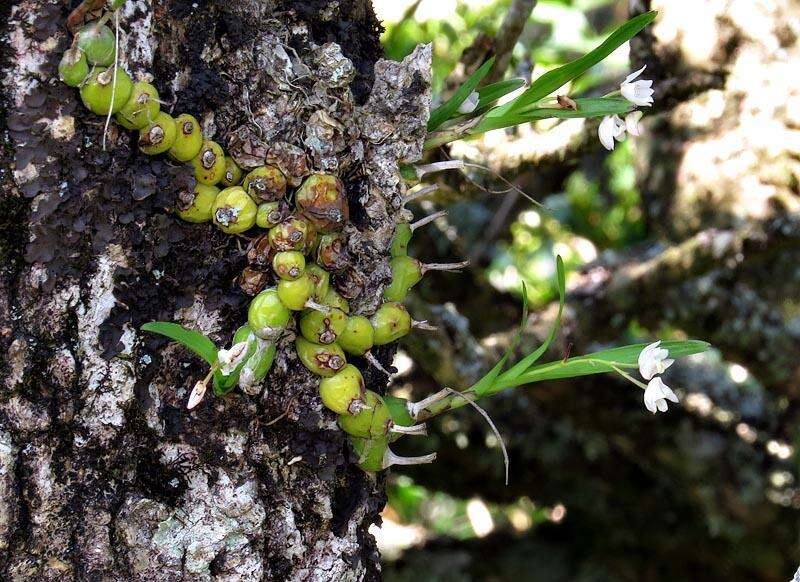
373 421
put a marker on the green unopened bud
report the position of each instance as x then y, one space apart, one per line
407 272
289 235
97 42
322 328
188 138
242 334
373 420
322 201
375 455
404 231
267 316
271 214
370 452
344 392
289 265
195 206
233 173
334 299
321 279
233 211
73 68
209 164
265 184
158 137
101 86
332 253
257 366
357 336
296 294
141 108
321 360
402 236
390 323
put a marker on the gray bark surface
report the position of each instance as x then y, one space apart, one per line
104 475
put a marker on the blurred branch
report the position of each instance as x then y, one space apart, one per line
518 14
707 286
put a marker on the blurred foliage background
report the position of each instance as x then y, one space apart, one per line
434 530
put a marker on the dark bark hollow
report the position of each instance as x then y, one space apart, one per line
103 472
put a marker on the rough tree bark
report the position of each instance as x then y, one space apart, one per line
103 473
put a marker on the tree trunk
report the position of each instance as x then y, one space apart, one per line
104 474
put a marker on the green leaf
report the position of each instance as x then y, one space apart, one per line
587 107
194 340
552 80
491 93
200 345
600 362
485 384
520 367
447 109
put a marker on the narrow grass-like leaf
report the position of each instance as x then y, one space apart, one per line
193 340
587 107
520 367
491 93
450 107
552 80
600 362
200 345
484 385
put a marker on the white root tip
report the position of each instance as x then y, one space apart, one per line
311 304
427 220
389 459
415 430
423 325
374 361
424 191
451 267
438 167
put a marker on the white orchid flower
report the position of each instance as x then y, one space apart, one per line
653 360
632 123
469 104
230 359
656 395
638 92
611 128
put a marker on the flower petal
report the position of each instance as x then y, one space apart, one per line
632 123
650 404
670 395
469 104
607 132
634 75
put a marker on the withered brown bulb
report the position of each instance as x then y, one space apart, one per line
321 200
265 184
261 253
252 281
332 253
